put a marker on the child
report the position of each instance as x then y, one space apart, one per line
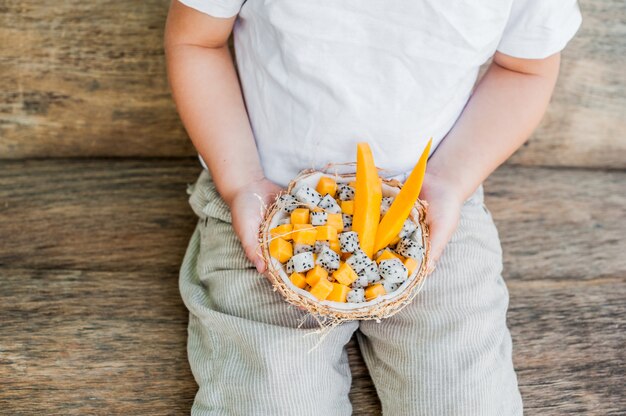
318 76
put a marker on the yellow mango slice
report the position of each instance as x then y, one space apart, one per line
344 274
410 265
326 232
347 207
322 289
335 220
339 293
335 246
281 249
374 291
304 234
315 274
401 207
387 255
327 185
300 216
282 231
298 280
367 198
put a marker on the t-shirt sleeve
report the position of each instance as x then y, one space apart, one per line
215 8
537 29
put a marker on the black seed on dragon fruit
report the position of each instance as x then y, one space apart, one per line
302 248
358 260
317 249
348 242
308 196
303 262
385 203
329 204
390 286
393 270
319 218
289 266
287 203
409 248
371 272
356 295
347 222
345 192
328 259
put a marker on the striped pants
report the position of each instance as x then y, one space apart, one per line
446 353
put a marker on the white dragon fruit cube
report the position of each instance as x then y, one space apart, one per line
358 260
329 204
345 192
390 286
308 196
301 248
393 271
407 228
371 272
319 246
348 242
361 281
328 259
409 248
289 266
417 236
347 222
385 203
303 262
319 218
288 203
356 295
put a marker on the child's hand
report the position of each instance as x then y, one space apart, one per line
444 211
247 208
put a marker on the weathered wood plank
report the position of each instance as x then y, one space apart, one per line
585 123
88 79
557 223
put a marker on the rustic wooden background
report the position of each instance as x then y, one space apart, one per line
94 220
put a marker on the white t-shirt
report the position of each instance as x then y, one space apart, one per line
319 76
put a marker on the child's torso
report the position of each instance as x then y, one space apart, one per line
318 76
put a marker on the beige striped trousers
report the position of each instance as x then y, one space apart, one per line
446 353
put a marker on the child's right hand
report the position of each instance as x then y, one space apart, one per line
247 207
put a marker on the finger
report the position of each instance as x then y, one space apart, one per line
251 246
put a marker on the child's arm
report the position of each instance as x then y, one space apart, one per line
505 108
208 97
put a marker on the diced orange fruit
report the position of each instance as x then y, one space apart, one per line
300 216
352 184
387 255
298 280
347 207
326 232
315 274
304 234
339 293
401 207
374 291
322 289
367 198
335 220
283 231
327 185
281 249
410 265
335 246
345 275
394 241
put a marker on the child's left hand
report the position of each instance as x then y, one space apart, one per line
444 211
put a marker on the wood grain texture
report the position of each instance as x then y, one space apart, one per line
88 79
92 321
